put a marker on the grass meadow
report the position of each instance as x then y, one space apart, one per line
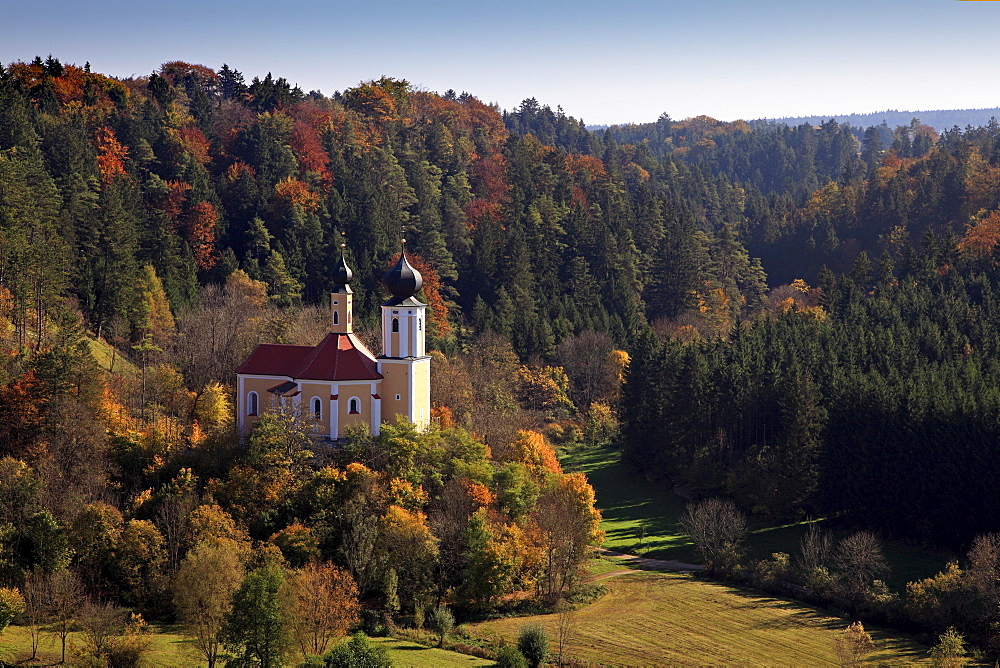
169 649
649 618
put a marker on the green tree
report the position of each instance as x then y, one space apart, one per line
258 627
533 644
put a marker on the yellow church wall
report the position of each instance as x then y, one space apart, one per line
265 400
341 304
396 381
346 419
321 390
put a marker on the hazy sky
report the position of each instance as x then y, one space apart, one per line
608 62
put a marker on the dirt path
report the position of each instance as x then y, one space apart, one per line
644 563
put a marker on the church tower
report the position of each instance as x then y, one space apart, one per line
341 308
406 388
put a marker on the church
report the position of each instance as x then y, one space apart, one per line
339 383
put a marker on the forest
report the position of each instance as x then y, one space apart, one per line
799 318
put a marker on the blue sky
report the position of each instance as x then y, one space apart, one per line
616 62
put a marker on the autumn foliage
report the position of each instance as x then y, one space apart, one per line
201 221
111 154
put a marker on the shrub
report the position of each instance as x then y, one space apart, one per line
854 645
11 605
950 650
533 644
510 657
358 652
772 574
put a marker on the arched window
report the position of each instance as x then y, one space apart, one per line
252 403
317 408
336 317
354 406
395 324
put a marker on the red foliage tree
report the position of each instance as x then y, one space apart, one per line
172 202
194 142
310 154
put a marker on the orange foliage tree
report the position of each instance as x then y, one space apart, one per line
531 449
296 192
201 221
569 526
324 604
111 154
982 234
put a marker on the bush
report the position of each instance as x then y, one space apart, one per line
358 652
853 645
442 621
533 644
950 650
510 657
770 575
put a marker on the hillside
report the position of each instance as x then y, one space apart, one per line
940 119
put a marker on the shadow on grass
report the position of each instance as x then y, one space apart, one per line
642 518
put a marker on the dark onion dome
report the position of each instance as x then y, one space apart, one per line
403 280
342 274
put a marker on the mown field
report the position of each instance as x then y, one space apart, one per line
641 517
651 618
170 650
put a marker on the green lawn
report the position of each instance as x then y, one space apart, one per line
169 649
406 653
672 619
630 504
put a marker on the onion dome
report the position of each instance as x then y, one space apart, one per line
342 274
402 280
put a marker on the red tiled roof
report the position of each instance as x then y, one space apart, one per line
272 359
336 357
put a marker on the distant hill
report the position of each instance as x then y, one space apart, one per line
939 120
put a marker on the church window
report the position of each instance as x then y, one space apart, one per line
395 324
336 318
252 403
317 408
354 406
